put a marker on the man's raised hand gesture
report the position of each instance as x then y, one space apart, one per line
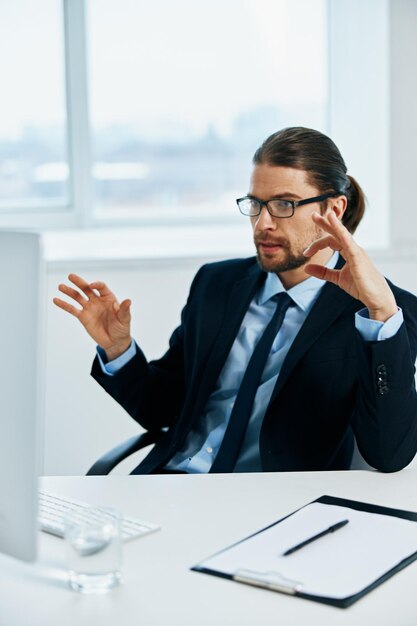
105 319
358 277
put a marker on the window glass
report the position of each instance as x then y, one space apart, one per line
182 93
33 138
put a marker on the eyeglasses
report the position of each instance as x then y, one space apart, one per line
277 208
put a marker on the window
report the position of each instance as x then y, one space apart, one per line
182 93
138 112
34 170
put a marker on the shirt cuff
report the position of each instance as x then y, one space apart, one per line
112 367
373 330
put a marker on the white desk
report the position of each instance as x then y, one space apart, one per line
199 515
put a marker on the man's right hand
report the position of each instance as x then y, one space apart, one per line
105 320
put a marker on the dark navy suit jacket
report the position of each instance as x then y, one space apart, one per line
333 385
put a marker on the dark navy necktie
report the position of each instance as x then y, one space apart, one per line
229 450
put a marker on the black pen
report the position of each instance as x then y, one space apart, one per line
331 529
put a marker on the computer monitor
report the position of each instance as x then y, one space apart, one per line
22 305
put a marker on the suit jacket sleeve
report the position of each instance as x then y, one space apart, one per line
385 417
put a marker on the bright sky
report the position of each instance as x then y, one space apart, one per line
165 62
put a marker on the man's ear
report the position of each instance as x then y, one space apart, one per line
338 206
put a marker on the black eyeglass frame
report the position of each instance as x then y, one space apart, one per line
293 203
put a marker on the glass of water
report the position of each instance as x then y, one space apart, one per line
94 549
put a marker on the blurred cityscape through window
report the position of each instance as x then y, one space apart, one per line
34 171
182 93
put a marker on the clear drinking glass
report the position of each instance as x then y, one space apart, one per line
94 549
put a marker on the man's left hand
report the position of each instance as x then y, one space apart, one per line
358 277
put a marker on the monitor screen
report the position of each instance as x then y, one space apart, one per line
22 278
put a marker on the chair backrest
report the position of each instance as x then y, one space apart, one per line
116 455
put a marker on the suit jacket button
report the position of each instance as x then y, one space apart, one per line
383 390
381 369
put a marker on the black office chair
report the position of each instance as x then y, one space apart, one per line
116 455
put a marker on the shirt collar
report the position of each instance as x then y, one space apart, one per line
303 294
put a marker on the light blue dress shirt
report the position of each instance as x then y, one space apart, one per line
204 440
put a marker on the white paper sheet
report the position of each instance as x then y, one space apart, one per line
337 565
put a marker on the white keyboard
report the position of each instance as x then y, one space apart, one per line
54 508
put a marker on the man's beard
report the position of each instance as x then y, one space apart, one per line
293 256
290 262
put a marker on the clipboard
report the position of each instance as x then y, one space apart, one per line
222 564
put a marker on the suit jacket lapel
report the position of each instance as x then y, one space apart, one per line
328 307
238 302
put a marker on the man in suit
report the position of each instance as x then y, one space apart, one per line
279 360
